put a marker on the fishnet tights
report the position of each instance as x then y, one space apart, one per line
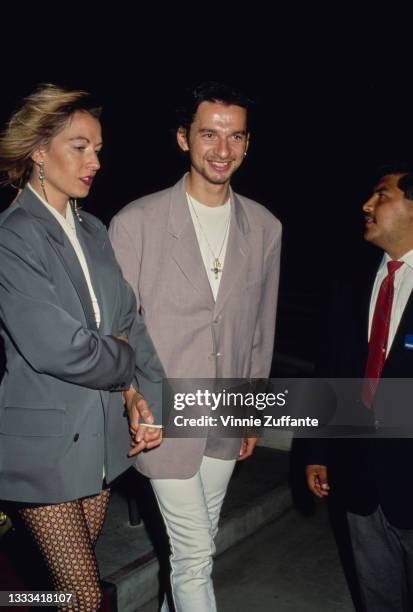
66 535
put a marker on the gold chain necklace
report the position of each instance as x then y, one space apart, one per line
217 265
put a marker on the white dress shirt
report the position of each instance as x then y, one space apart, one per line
403 286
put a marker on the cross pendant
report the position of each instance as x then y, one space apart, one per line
216 267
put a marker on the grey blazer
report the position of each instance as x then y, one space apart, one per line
155 242
61 412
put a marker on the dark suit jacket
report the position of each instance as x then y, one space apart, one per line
367 471
61 414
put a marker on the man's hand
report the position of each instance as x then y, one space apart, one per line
317 480
247 448
143 435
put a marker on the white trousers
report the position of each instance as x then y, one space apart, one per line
190 508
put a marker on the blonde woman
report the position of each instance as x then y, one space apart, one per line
68 320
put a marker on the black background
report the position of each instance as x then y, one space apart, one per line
333 92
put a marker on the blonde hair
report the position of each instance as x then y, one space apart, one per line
42 115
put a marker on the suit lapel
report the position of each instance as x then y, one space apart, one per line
93 241
185 251
187 254
238 250
399 356
63 249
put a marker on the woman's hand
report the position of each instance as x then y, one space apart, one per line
143 435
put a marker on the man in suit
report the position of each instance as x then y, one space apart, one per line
204 264
369 477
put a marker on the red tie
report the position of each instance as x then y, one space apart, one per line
379 334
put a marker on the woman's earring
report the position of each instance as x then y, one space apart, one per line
41 174
41 179
76 209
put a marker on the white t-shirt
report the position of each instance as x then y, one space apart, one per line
211 225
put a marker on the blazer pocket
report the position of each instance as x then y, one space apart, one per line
34 421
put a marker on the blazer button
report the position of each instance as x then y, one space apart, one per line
76 437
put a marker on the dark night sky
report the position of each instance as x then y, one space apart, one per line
332 102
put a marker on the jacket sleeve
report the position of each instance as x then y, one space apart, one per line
263 343
127 253
149 372
45 334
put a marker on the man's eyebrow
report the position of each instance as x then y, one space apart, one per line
203 130
380 188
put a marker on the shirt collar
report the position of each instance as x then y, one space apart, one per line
407 258
59 217
224 206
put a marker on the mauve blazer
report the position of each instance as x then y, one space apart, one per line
155 243
61 411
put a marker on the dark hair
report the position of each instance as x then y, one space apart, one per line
405 182
209 91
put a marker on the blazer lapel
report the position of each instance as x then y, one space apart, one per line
63 249
93 241
185 251
238 250
398 356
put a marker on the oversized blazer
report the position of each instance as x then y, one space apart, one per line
372 470
61 412
195 336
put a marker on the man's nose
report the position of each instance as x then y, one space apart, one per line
223 148
368 206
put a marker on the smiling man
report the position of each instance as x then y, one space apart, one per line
370 478
204 264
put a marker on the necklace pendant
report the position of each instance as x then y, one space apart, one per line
216 267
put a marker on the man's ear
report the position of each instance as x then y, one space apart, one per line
247 144
182 139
